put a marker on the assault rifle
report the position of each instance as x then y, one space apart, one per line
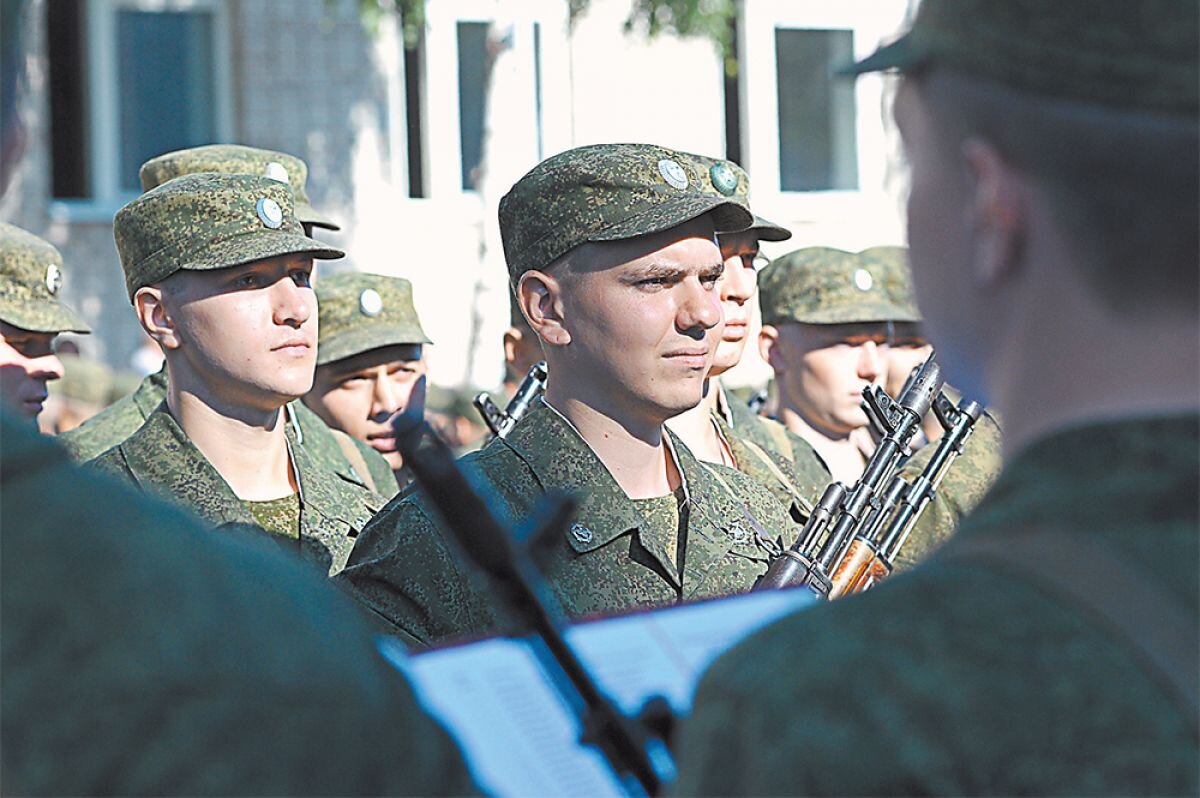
843 515
501 422
634 747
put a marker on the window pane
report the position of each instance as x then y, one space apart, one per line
165 86
472 79
817 146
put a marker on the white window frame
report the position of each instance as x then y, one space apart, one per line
103 115
871 22
442 155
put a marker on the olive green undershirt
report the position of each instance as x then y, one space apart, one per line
278 516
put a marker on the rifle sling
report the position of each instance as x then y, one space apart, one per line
1154 623
355 458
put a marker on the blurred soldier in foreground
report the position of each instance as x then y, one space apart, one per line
218 269
160 659
1052 647
118 422
722 429
31 315
618 277
827 317
370 360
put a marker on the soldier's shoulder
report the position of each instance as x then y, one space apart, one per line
106 429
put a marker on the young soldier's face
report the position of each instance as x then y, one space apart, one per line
821 369
27 363
248 333
361 394
738 286
644 318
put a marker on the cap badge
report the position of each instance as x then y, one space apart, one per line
269 213
582 533
54 279
370 302
863 280
723 178
673 173
277 171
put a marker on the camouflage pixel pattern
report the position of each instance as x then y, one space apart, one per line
209 221
121 419
822 285
160 459
1133 56
962 678
606 192
897 276
31 278
726 179
237 159
806 467
118 608
405 569
360 312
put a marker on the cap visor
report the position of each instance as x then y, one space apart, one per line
727 215
259 245
44 316
900 54
769 231
307 214
858 314
355 342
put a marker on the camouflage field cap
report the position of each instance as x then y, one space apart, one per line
727 179
893 261
1130 54
237 159
360 312
209 221
820 285
605 192
31 278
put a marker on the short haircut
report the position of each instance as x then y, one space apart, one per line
1124 185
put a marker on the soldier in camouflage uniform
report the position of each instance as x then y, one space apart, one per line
908 346
218 269
31 315
156 658
618 277
118 422
1051 649
719 430
370 360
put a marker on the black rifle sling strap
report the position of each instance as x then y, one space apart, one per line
1151 620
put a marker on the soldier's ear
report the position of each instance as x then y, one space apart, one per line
155 317
768 339
539 296
998 213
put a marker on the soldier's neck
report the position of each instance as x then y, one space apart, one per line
841 452
696 429
633 453
247 447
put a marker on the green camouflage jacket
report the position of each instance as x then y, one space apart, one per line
160 659
403 568
121 419
807 471
160 459
962 677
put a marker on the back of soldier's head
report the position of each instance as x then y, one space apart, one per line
1097 102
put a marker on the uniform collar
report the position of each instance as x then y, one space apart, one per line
150 392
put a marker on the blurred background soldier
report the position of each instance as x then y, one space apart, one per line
370 360
827 317
119 421
219 270
85 389
161 659
31 315
1052 647
522 350
618 277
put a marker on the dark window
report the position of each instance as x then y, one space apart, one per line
166 92
733 97
68 100
818 149
537 85
472 83
413 80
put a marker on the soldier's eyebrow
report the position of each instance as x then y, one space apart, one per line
654 271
